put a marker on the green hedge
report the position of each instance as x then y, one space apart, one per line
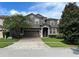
52 36
59 36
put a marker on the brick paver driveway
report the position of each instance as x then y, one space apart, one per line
28 43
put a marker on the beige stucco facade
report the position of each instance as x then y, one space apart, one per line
39 25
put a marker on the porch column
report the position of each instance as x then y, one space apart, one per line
41 35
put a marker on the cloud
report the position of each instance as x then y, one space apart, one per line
48 9
13 12
53 10
40 6
3 11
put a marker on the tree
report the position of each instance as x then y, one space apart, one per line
69 23
15 24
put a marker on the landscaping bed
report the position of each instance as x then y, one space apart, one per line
54 42
6 42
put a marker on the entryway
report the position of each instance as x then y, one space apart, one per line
45 32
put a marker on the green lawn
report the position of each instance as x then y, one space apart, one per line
53 42
6 42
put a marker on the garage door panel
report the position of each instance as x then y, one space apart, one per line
31 33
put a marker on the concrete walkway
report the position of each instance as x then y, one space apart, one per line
27 43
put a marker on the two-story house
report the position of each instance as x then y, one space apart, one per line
41 26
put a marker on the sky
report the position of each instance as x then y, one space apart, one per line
47 9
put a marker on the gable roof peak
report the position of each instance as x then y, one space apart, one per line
31 14
39 15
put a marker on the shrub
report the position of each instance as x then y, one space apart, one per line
52 36
72 39
59 36
10 38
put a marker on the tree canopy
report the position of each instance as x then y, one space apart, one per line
15 24
16 21
69 23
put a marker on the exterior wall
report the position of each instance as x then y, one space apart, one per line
36 21
53 23
54 31
1 24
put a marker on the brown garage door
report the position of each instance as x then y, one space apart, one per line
31 33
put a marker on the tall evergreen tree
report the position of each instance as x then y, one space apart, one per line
69 23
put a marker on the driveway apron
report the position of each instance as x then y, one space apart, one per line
28 43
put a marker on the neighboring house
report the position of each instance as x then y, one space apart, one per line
1 26
41 26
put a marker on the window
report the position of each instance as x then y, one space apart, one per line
55 23
53 30
37 22
52 23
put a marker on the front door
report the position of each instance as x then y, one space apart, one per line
45 32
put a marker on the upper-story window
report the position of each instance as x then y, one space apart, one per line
54 23
31 16
36 21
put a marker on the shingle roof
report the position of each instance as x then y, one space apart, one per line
51 19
